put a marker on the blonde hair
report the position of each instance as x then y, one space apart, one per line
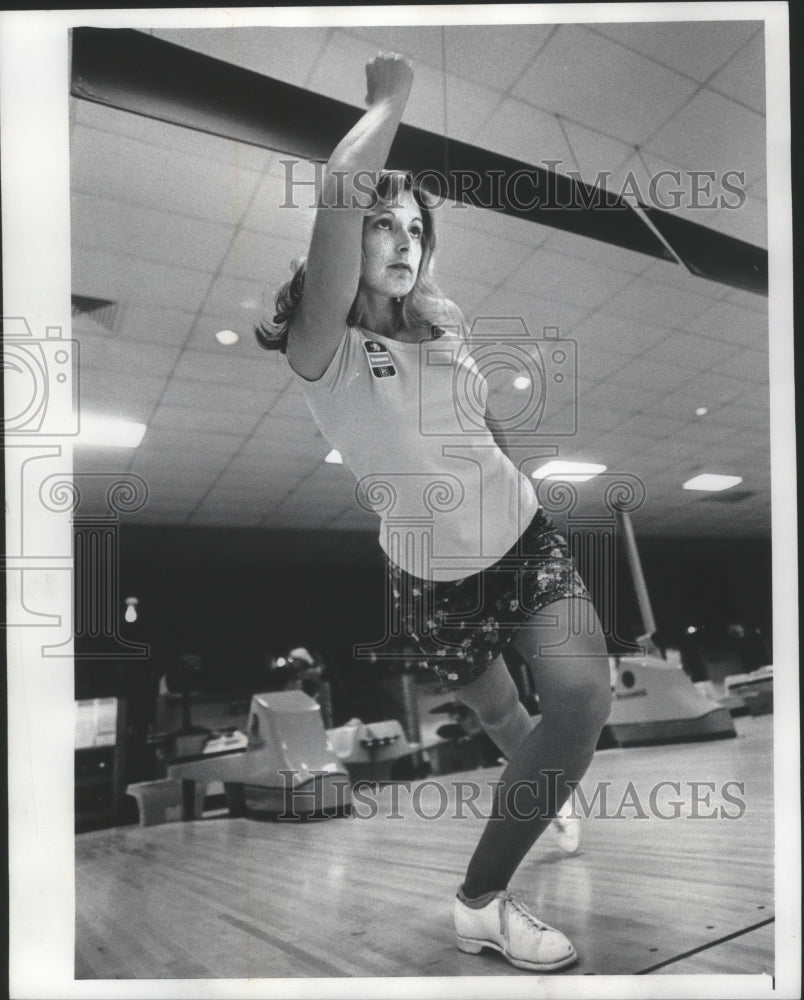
421 309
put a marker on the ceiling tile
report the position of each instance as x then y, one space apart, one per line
730 322
137 231
594 250
157 177
167 514
743 77
666 272
652 425
113 392
496 223
597 361
648 301
467 295
716 134
733 413
132 280
235 155
241 301
161 439
692 352
570 280
679 405
706 431
715 389
285 205
89 460
467 104
647 93
283 53
615 447
595 155
186 419
472 255
750 365
695 48
260 257
241 320
536 311
355 520
759 189
205 366
186 393
757 399
493 55
518 130
301 428
228 517
147 324
421 44
148 460
114 353
629 336
592 419
608 396
340 70
167 480
748 300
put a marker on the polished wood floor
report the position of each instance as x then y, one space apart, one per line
365 897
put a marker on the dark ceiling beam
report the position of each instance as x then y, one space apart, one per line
713 255
136 72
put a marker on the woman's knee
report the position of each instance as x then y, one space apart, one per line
493 696
577 682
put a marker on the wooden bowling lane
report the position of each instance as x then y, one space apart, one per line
372 895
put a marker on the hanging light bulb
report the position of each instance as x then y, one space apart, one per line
131 609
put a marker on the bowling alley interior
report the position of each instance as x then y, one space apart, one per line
268 784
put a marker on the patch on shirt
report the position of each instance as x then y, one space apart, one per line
379 359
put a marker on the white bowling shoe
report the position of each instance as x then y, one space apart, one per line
506 925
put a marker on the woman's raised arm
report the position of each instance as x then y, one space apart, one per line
333 261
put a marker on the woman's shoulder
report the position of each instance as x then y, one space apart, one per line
450 318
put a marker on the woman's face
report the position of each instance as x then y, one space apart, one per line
392 248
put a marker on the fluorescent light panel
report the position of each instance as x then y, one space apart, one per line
109 432
710 482
568 472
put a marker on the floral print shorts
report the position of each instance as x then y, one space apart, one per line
460 626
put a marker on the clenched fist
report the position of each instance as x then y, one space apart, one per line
388 77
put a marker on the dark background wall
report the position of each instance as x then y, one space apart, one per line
236 597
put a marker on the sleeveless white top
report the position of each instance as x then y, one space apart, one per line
407 419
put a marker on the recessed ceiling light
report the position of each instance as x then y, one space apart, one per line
521 382
701 411
334 457
109 432
711 482
227 337
568 472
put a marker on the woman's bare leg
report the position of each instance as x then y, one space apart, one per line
494 699
571 677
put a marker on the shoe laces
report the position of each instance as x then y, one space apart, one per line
514 903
